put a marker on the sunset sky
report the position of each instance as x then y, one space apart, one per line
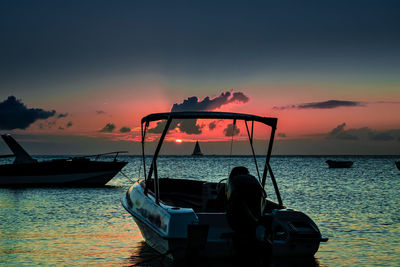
77 76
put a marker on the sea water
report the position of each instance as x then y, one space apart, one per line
356 208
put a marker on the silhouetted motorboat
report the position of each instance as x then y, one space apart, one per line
181 217
77 171
339 164
197 150
398 164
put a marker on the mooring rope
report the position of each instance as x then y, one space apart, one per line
126 176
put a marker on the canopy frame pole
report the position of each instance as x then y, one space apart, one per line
153 166
143 142
252 147
268 169
278 195
143 132
231 149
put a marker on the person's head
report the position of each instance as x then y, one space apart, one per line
240 170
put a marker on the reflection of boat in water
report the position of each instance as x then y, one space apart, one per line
144 255
78 171
339 164
181 217
398 164
197 150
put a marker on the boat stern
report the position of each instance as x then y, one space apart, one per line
292 233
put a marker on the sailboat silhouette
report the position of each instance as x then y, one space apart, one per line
197 150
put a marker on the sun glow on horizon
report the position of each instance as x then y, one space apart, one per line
178 141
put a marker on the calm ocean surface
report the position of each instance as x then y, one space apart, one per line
357 208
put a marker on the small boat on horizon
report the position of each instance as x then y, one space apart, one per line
181 217
339 164
197 150
76 171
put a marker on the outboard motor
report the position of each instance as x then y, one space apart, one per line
290 233
280 232
245 198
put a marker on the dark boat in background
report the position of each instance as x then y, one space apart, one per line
197 150
339 164
398 164
77 171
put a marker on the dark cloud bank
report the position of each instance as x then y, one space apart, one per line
330 104
109 128
231 130
364 133
212 125
62 115
125 129
68 125
193 104
15 115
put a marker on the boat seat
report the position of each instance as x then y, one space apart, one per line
183 200
179 192
213 198
209 193
198 195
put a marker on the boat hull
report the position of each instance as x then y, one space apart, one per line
170 247
166 229
59 173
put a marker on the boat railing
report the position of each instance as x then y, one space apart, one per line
97 156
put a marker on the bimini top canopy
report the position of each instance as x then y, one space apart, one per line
209 115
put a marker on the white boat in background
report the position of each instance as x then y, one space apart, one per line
181 217
78 171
